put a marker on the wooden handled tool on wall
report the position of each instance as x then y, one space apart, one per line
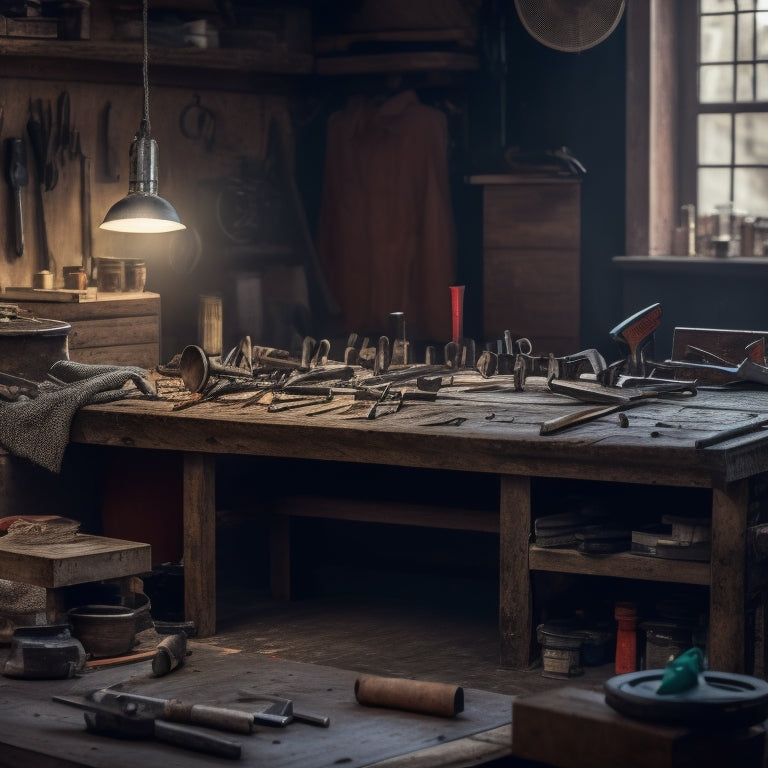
18 177
39 130
85 207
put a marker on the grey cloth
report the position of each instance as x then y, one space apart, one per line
38 428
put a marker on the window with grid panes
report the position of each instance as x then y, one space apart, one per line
732 122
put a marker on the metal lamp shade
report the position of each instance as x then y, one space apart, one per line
142 209
138 212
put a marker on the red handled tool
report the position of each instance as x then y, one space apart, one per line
636 335
457 312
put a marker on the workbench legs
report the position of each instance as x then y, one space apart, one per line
515 593
199 502
727 601
727 590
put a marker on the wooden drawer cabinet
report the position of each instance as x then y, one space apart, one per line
116 328
531 260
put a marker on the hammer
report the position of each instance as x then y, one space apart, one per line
636 334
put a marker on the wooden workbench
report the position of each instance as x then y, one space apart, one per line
34 730
498 437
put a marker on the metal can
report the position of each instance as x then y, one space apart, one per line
135 276
75 278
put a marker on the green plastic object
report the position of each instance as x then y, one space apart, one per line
682 673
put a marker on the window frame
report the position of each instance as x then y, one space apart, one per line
652 159
662 117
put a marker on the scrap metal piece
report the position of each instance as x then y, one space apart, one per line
281 711
351 350
487 364
747 370
322 351
381 361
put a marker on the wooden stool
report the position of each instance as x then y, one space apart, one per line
84 559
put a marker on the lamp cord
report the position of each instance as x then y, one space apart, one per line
145 63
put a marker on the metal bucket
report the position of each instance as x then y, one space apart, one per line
30 345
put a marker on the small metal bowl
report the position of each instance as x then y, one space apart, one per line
104 630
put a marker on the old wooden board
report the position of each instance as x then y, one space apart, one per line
85 558
49 294
35 727
575 728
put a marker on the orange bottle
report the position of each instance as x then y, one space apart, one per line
626 637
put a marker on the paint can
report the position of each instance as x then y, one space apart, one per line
43 280
560 650
664 641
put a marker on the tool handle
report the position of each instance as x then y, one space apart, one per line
582 417
45 261
18 222
457 312
179 736
220 718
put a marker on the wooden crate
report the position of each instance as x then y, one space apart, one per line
115 328
531 260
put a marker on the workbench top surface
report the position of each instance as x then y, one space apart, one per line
476 424
34 727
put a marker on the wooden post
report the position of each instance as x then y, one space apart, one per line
727 599
515 598
200 541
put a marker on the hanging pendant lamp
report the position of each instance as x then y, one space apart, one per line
142 209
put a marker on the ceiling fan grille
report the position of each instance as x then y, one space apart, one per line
570 25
